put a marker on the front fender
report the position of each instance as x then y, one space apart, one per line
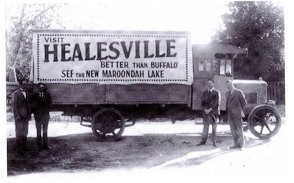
262 106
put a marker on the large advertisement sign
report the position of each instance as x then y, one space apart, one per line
111 57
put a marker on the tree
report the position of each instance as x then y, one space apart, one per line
259 27
19 32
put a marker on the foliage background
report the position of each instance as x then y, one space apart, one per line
259 27
255 25
19 32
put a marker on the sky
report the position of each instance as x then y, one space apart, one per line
201 18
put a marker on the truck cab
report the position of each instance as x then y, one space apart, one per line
217 61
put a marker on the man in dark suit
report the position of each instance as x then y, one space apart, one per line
22 115
235 105
211 110
42 101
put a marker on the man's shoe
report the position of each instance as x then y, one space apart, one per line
25 148
214 144
234 147
20 153
201 144
40 148
46 147
241 148
39 144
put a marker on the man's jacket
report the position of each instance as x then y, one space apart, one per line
211 100
20 106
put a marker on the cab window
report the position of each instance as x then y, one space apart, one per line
225 67
204 65
216 66
201 65
208 65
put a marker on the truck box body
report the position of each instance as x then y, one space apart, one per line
90 93
60 56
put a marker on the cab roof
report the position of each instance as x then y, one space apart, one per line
209 50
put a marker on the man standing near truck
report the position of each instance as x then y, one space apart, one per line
235 105
22 115
42 101
210 104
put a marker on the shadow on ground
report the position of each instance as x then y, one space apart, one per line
82 152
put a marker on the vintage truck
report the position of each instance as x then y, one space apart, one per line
112 78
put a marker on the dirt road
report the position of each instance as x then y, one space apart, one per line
148 146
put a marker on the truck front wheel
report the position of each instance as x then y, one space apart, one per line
108 121
264 121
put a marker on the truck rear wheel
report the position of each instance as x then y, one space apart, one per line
264 121
108 121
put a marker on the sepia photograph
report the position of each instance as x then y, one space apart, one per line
145 91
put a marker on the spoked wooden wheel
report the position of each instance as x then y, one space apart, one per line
264 121
108 121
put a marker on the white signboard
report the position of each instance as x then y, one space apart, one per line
111 57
